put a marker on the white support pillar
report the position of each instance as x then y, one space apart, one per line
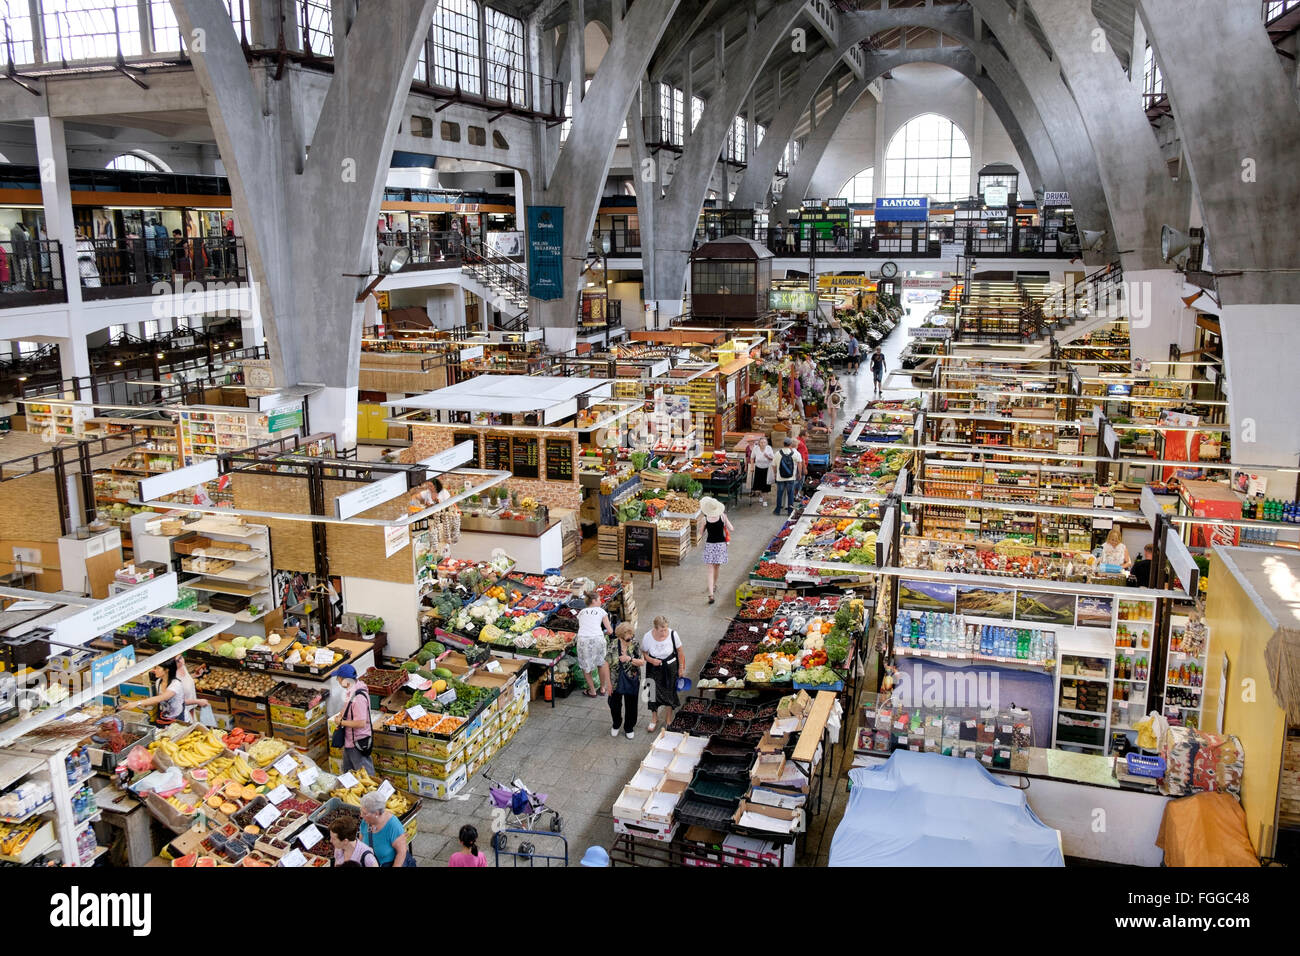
56 198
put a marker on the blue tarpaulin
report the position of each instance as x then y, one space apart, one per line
925 809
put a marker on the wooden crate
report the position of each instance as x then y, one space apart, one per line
653 482
673 550
609 541
697 530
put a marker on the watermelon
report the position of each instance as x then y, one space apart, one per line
443 673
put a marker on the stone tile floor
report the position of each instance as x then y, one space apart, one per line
567 751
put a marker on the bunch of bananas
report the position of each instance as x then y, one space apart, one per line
398 803
13 838
193 750
234 769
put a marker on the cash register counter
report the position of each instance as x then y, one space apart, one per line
532 552
1098 816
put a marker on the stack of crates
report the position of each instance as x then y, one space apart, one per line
297 716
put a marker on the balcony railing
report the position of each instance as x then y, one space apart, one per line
31 272
122 268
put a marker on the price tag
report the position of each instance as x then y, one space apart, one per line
1006 728
309 836
385 789
293 858
447 696
323 656
416 712
266 816
753 629
970 723
744 647
416 682
286 765
307 776
279 795
493 667
347 781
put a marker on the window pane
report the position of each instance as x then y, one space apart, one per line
928 156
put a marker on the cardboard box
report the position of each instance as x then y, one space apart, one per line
438 789
779 816
391 740
390 761
303 737
436 769
436 748
660 834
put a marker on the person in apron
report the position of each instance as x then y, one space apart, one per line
661 649
169 705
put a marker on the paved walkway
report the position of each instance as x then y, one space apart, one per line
567 751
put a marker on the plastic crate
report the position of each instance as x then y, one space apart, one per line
333 803
694 811
727 767
683 723
712 788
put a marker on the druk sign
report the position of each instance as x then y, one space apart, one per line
903 209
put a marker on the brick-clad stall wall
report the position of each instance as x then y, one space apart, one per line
430 439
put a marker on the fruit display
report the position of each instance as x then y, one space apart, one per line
193 750
428 724
267 751
241 683
383 682
239 739
304 655
295 697
398 803
233 770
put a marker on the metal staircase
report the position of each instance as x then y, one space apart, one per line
502 282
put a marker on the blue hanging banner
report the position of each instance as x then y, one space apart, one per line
903 209
546 252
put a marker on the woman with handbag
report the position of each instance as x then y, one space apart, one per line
717 532
662 650
353 731
625 664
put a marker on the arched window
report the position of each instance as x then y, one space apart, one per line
929 156
137 161
861 188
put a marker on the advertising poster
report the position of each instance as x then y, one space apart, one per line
546 252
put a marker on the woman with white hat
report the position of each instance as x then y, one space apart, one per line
717 532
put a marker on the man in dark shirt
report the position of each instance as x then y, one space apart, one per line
1140 575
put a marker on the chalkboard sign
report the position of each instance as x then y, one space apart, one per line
523 458
496 452
559 459
641 547
458 437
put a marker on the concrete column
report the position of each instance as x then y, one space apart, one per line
977 142
74 358
878 153
577 50
688 93
56 197
281 193
1263 388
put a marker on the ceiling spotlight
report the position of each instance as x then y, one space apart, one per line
158 355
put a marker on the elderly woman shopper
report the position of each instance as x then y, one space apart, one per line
384 832
593 625
717 532
625 665
662 650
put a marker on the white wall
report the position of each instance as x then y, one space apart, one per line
914 89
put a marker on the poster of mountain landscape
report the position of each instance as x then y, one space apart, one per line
1045 607
1095 611
926 596
986 602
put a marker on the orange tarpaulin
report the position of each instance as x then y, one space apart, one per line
1206 829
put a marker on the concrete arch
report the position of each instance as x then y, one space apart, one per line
1139 191
584 161
1041 82
1244 171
